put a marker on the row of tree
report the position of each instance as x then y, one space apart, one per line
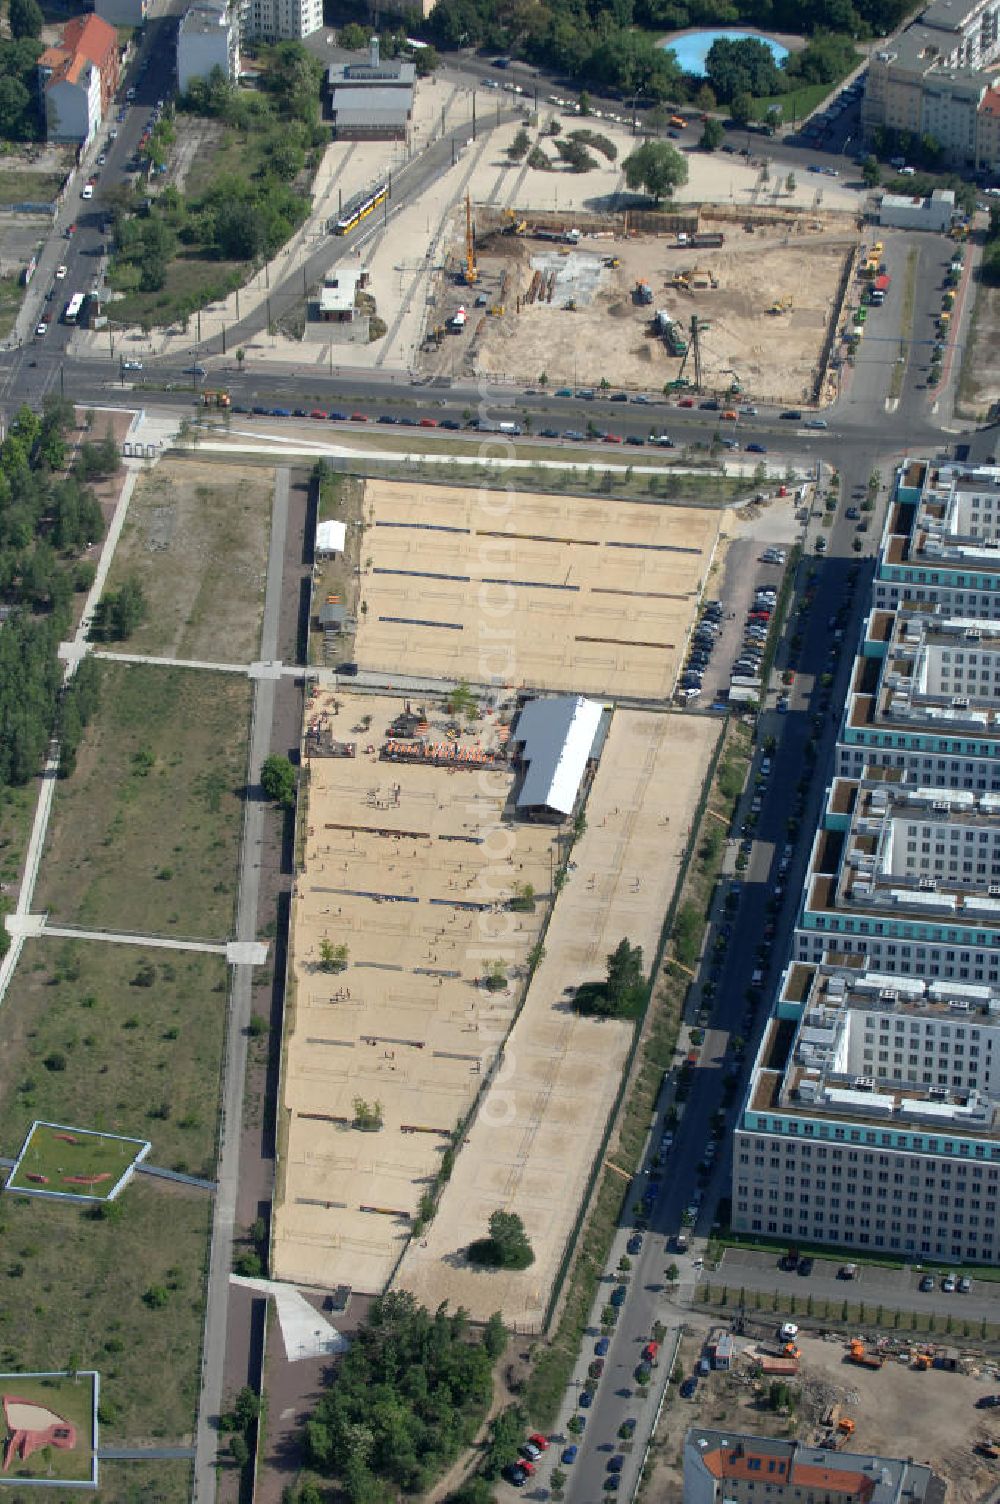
615 44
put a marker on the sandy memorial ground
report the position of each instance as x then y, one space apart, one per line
540 1124
544 591
406 866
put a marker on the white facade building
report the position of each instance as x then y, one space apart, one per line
901 212
280 20
207 38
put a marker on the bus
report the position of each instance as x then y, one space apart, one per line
72 310
359 208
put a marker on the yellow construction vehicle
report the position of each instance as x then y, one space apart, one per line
846 1426
512 225
613 262
497 311
471 269
781 305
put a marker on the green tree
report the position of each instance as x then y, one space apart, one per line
871 172
352 37
519 146
624 975
743 66
124 609
657 168
712 135
507 1246
332 958
741 107
238 1450
14 102
495 1336
26 19
277 779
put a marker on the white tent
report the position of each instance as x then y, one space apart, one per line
331 537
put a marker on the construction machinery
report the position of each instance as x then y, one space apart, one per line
512 225
612 262
781 305
921 1362
846 1426
471 269
642 294
857 1353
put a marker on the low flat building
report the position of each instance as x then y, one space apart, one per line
338 298
331 538
924 698
871 1118
941 541
903 212
557 739
208 37
371 100
724 1467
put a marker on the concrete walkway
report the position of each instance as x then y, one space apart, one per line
159 1173
17 923
158 942
145 1454
234 1073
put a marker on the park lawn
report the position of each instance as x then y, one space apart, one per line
28 187
61 1155
142 1061
796 104
72 1399
144 836
196 536
74 1283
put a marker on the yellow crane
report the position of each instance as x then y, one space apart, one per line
471 270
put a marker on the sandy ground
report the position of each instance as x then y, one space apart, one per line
540 1125
406 866
520 589
891 1409
608 335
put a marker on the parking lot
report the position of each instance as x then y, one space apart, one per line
893 1289
517 588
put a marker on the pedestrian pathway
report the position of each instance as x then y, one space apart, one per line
158 942
145 1454
234 1070
305 1333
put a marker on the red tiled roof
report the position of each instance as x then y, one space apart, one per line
990 103
85 39
741 1465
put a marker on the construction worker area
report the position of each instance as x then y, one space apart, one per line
524 294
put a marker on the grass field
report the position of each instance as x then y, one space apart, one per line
196 536
61 1158
11 293
144 836
81 1043
796 104
72 1399
145 1483
121 1293
190 281
28 187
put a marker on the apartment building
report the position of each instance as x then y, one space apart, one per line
932 78
941 542
280 20
924 698
871 1119
723 1467
77 79
208 37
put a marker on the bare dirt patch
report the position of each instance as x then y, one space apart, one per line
196 536
979 385
608 335
898 1412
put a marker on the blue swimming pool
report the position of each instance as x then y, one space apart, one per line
693 49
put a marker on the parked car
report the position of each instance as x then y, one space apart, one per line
949 1284
756 449
515 1474
926 1284
689 1387
601 1347
596 1368
586 1399
964 1285
569 1455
